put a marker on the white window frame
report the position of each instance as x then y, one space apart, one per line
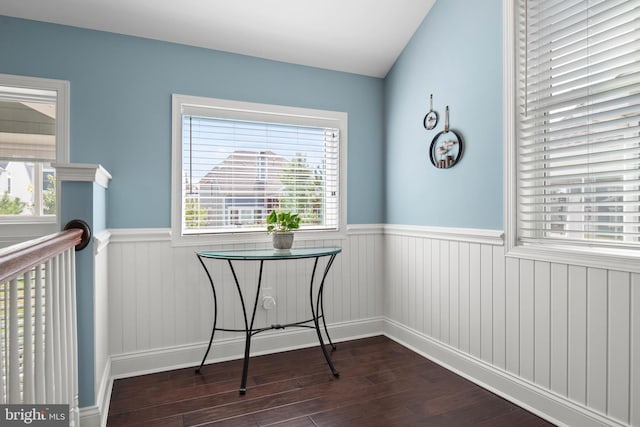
589 256
20 228
245 110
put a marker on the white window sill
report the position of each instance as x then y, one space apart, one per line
627 260
17 230
251 238
27 220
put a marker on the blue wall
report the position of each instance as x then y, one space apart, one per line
121 112
121 118
121 108
456 55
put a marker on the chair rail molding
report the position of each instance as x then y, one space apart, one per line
470 235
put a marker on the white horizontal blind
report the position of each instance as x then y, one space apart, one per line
236 171
579 122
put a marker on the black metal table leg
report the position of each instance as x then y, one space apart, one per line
245 364
315 314
248 326
215 314
321 298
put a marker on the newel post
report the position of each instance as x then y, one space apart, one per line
82 195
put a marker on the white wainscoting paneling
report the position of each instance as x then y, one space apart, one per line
161 303
567 332
560 339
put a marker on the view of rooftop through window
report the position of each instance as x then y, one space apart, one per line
235 172
27 149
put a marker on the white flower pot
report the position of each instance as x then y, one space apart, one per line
282 240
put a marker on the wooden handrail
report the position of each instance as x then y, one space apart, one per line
22 257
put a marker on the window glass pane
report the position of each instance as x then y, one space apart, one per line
236 171
578 143
48 189
27 148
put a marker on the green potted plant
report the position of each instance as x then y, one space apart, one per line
280 225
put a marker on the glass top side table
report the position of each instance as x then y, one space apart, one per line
269 254
262 255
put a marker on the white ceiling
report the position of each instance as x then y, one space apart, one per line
356 36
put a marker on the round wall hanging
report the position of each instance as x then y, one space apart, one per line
447 146
431 119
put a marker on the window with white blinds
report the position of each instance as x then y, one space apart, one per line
578 123
32 138
237 165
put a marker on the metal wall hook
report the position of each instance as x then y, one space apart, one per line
446 119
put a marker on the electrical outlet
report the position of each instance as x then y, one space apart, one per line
268 303
268 300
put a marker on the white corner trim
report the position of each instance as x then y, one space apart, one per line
96 415
548 405
104 393
472 235
82 172
509 111
101 241
90 417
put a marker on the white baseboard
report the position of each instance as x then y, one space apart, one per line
96 416
552 407
164 359
90 416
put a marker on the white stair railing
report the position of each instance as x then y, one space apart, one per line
38 345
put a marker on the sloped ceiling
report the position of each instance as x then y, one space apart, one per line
357 36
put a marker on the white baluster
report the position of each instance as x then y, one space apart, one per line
50 275
28 392
39 337
14 349
55 298
73 347
3 344
62 306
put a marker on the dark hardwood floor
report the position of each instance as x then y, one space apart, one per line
381 384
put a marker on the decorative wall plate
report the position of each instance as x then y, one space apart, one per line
446 149
447 146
